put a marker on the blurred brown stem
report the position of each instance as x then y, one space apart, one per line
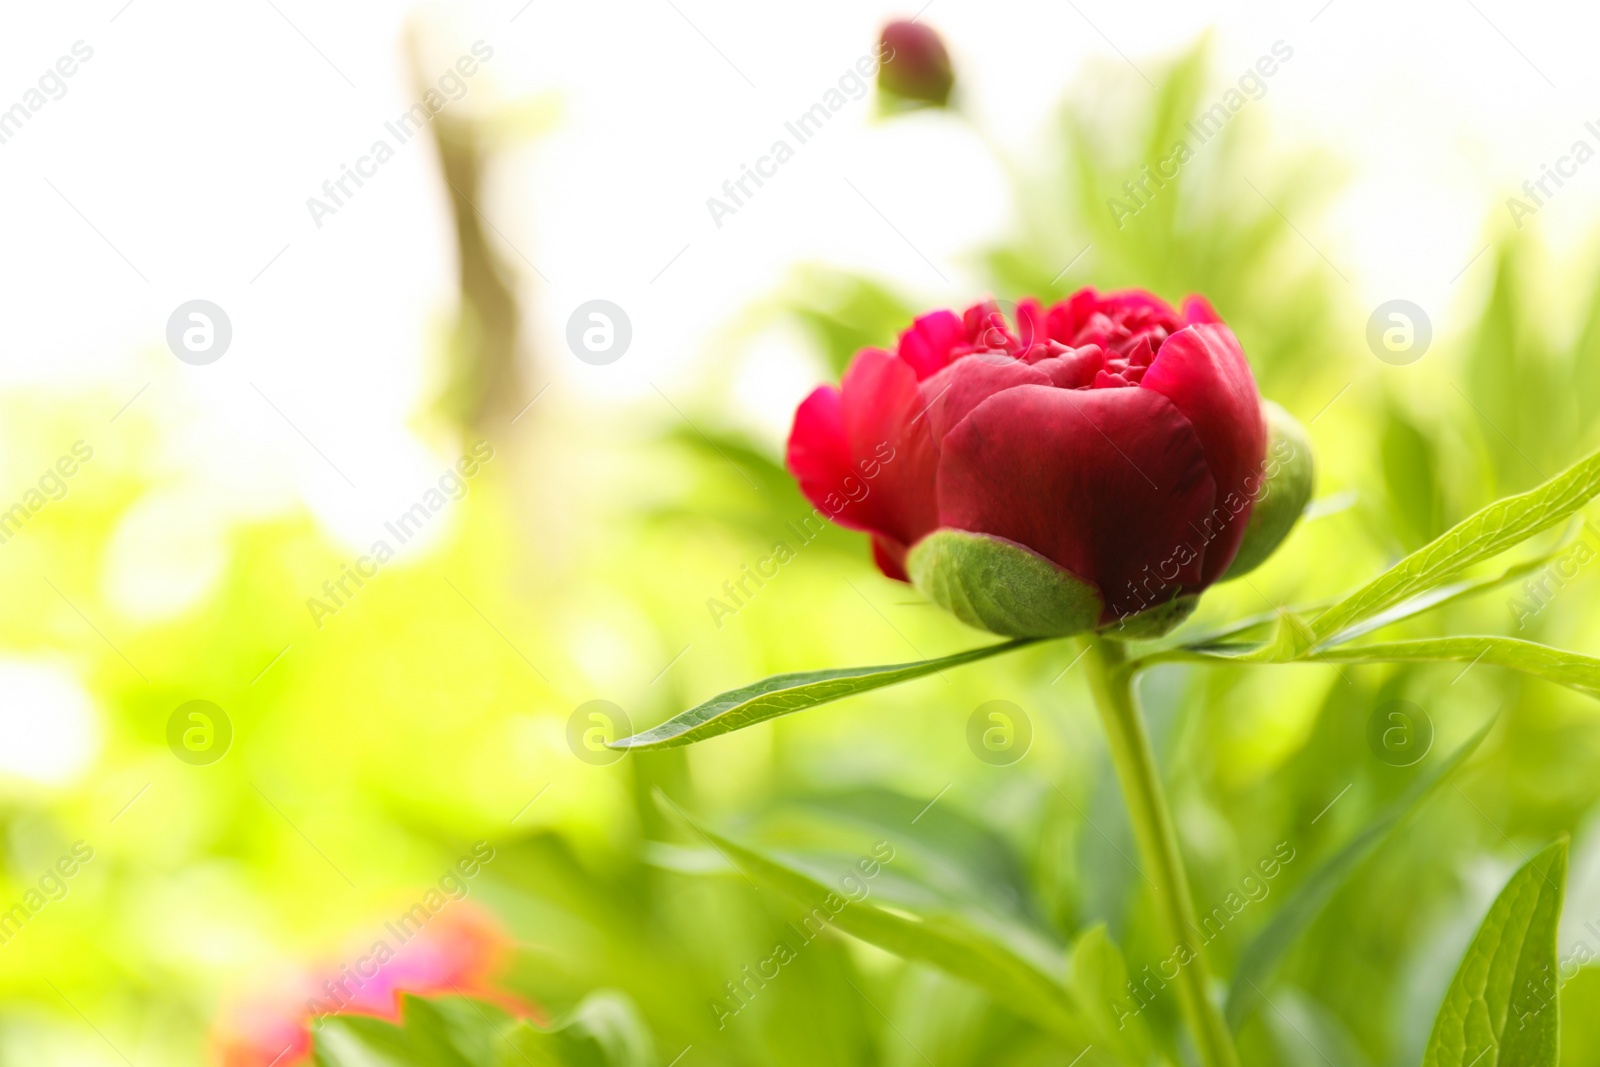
484 385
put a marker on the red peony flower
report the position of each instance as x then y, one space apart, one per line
1090 462
915 67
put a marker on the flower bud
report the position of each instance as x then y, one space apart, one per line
1093 465
914 68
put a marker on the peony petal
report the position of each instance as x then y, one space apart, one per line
1202 370
1197 309
891 449
1032 327
1075 368
968 382
927 345
986 328
1109 484
818 455
890 556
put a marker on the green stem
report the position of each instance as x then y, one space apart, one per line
1111 679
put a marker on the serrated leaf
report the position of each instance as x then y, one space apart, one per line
785 694
1487 533
1264 952
1503 995
1571 669
947 942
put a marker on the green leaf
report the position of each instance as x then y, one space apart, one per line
1288 640
1580 1022
1262 956
784 694
1487 533
942 848
1571 669
1223 633
1445 595
363 1041
1503 995
1307 1034
1100 983
1015 981
603 1031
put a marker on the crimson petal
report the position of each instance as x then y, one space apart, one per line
1203 371
891 447
1109 484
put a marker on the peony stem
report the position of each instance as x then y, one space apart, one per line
1111 679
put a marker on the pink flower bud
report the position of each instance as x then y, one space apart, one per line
914 66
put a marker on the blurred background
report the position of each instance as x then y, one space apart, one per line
398 524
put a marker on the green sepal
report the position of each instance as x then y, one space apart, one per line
1000 586
1152 623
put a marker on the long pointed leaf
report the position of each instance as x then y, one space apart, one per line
1262 956
1571 669
944 941
1445 595
785 694
1503 995
1487 533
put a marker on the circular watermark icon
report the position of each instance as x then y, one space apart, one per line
593 725
999 732
1399 733
199 732
1399 332
599 332
1005 328
199 332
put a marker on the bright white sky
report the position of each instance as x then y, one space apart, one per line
178 163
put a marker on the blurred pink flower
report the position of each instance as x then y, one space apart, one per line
457 952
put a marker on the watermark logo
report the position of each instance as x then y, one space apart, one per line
451 87
199 733
51 86
853 83
999 733
452 485
1399 733
592 726
1143 188
199 332
854 886
51 886
1540 589
1399 332
51 486
599 332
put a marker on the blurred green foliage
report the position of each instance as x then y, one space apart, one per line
432 711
